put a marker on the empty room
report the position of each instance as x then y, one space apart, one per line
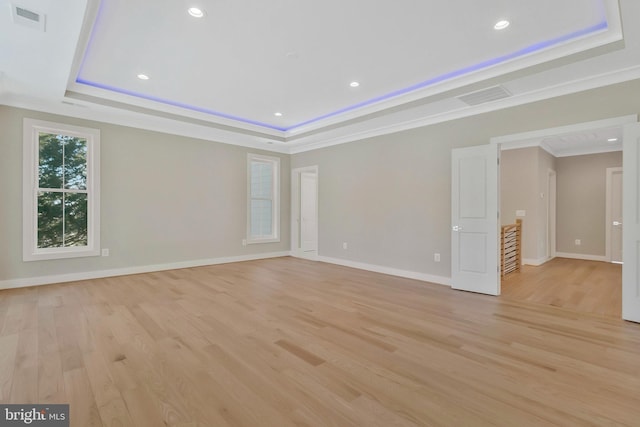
566 191
289 213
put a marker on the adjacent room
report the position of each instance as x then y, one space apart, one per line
286 213
567 192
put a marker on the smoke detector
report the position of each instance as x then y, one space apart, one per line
28 17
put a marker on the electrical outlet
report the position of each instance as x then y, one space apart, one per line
105 252
578 242
345 246
436 257
244 242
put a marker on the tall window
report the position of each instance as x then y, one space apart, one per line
263 219
61 203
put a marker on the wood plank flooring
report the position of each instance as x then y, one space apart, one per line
585 286
290 342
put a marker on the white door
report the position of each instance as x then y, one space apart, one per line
308 211
474 219
631 215
614 214
551 214
304 212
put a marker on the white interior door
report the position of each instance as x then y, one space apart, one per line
304 212
551 214
614 214
308 211
474 219
631 214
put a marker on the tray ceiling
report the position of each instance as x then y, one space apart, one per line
282 71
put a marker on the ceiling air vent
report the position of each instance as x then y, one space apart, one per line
28 18
485 95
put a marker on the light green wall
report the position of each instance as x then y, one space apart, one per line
168 199
164 199
519 190
582 191
389 196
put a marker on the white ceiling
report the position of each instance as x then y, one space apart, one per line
601 136
588 142
222 77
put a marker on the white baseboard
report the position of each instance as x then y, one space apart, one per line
585 257
440 280
98 274
535 262
302 255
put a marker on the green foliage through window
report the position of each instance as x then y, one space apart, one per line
62 191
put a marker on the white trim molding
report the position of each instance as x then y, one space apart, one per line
311 256
423 277
300 143
585 257
536 262
100 274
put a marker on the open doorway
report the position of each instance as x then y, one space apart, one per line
562 186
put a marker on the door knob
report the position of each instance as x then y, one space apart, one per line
617 223
457 228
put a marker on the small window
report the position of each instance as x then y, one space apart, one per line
263 219
61 200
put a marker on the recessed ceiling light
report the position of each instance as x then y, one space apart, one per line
143 77
278 114
612 139
501 25
195 12
354 84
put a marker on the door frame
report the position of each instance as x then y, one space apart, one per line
608 215
535 138
296 174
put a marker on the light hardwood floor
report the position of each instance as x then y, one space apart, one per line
586 286
289 342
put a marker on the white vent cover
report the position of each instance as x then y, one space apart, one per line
28 18
485 95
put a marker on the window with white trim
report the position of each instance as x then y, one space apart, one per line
263 205
61 184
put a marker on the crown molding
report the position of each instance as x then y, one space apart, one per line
618 76
313 142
